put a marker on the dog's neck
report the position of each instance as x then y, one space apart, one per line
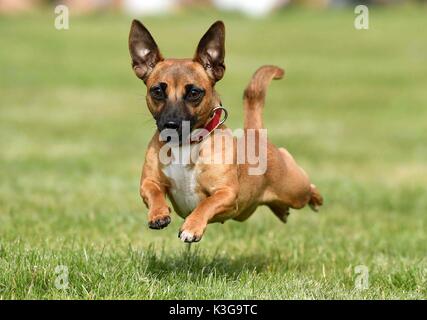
214 121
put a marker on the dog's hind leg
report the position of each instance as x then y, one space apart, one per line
297 191
281 211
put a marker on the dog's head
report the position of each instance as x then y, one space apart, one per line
179 89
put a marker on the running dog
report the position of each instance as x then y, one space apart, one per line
183 91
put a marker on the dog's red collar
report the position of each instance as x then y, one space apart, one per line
214 122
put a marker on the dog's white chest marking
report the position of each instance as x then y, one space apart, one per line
183 181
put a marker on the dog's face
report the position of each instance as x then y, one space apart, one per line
179 89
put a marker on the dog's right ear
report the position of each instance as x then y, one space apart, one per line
143 50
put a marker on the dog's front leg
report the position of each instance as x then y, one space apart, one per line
154 198
153 188
222 202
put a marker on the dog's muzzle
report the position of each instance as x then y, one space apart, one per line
175 122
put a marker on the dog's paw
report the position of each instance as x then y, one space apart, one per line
316 199
188 236
159 222
192 230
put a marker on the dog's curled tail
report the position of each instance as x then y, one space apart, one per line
254 95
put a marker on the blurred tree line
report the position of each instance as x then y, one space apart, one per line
250 7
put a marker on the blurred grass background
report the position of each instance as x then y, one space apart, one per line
352 109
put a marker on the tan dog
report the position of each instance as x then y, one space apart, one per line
183 90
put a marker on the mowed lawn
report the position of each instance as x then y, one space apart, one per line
352 109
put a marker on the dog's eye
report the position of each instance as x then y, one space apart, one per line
194 94
157 92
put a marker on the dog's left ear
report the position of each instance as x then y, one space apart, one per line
143 50
211 51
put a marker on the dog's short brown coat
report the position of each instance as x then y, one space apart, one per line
223 191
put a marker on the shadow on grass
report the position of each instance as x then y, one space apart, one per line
196 263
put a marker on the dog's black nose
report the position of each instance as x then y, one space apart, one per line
172 125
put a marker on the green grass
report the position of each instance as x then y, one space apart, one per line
352 109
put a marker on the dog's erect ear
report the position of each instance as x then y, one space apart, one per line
211 51
143 50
